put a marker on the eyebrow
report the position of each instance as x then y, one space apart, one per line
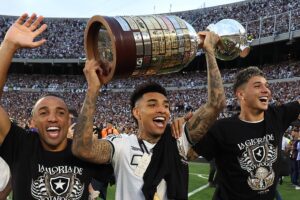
58 108
260 82
155 100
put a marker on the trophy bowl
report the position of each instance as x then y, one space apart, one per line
153 44
233 39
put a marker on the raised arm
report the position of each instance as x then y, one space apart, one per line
206 115
20 35
85 146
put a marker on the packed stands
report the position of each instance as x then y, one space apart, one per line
260 17
187 91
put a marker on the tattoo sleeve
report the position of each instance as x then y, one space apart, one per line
206 115
85 146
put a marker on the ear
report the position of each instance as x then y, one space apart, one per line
239 94
32 123
136 113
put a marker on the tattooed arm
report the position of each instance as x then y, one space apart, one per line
206 115
85 146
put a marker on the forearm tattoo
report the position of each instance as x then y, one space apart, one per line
84 144
206 115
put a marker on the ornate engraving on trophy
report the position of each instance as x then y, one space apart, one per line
155 44
147 43
139 43
131 23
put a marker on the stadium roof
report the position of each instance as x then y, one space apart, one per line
86 9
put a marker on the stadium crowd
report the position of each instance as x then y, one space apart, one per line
113 103
179 80
65 36
256 10
186 90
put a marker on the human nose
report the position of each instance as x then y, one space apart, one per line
52 117
162 109
265 89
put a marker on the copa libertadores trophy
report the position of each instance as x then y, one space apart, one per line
154 44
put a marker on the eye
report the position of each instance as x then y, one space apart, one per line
43 113
267 85
61 113
151 105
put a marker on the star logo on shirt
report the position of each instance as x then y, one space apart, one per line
59 185
259 153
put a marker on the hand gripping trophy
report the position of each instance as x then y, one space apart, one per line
155 44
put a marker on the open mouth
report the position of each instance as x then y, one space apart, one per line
159 121
53 131
263 99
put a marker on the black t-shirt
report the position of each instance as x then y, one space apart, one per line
40 174
247 153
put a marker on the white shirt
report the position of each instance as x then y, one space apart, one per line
125 159
285 143
4 174
298 155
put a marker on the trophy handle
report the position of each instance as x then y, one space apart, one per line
114 59
245 50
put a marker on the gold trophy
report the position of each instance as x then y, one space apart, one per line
154 44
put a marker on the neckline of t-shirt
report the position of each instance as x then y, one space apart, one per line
252 122
149 145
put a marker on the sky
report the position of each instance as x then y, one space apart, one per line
89 8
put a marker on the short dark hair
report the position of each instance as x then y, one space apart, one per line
244 75
146 88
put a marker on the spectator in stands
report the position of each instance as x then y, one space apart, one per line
52 171
72 122
260 22
283 91
108 130
246 146
298 161
99 189
285 164
152 159
30 127
293 156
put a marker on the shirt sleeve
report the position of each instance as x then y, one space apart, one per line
288 113
14 144
208 145
4 175
118 143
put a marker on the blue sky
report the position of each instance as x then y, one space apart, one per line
88 8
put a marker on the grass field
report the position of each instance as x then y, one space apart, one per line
198 179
